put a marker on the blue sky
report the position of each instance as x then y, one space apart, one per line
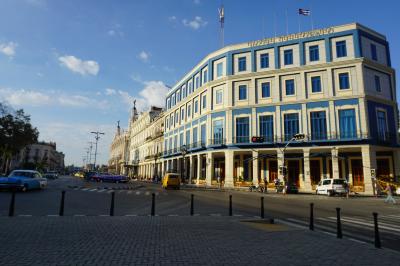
76 66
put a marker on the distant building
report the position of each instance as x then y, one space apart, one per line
119 152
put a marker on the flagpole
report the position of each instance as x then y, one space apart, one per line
299 22
275 24
311 17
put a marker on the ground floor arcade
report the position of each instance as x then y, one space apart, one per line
305 166
146 170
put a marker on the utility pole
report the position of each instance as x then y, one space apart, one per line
97 137
90 153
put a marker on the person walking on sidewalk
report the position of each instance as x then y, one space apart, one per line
389 197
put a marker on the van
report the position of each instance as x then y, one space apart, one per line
332 186
171 180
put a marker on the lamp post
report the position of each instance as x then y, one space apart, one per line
183 151
296 137
97 133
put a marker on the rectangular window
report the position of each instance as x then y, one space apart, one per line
242 130
347 123
219 70
205 77
196 106
318 125
374 54
289 85
178 96
242 92
172 120
291 122
288 57
170 144
181 139
188 111
264 61
242 63
175 143
377 83
204 101
197 82
314 53
218 97
203 135
187 138
176 117
265 90
267 127
316 84
166 123
344 82
165 146
168 103
183 92
382 126
341 50
190 88
218 131
182 114
173 100
194 140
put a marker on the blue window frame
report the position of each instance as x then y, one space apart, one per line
264 60
377 83
291 122
242 63
341 50
344 82
219 70
318 125
205 76
267 127
314 53
204 101
347 123
203 134
288 57
382 125
289 85
218 131
374 54
316 84
218 97
181 139
242 130
265 90
242 92
187 138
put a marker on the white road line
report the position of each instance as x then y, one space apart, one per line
147 193
138 192
215 214
131 215
173 215
25 215
362 223
93 189
358 241
129 192
121 191
290 224
104 215
370 224
102 190
84 189
79 215
53 215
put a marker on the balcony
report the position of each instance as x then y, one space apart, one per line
217 142
241 140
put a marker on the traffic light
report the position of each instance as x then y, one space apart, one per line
299 136
282 170
255 139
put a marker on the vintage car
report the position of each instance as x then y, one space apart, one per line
23 180
105 177
171 180
51 175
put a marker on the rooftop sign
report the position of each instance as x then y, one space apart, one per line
290 37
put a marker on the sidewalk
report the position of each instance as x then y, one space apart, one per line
174 241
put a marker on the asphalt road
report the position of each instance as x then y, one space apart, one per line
134 199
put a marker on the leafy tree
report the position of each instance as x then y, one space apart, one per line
16 132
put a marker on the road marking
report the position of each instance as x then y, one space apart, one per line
129 192
237 215
173 215
358 241
104 215
53 215
93 189
101 190
25 215
147 193
79 215
120 191
349 220
215 214
84 189
131 215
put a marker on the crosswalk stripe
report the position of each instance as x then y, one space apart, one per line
371 225
93 189
121 191
79 215
25 215
102 190
84 189
77 188
138 192
131 215
129 192
53 215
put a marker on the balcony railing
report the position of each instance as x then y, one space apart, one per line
217 142
241 140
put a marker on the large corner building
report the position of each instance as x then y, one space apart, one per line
334 85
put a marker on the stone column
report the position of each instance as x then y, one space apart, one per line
191 166
229 158
306 169
280 160
255 167
335 162
369 162
198 168
210 168
396 168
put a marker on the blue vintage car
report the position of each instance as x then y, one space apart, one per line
105 177
23 180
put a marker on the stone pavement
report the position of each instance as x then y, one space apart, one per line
166 240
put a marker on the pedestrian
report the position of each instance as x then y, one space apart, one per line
219 181
347 188
389 197
265 184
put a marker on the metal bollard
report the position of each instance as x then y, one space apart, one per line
112 203
230 205
191 205
153 204
312 216
12 205
377 237
61 212
262 208
339 224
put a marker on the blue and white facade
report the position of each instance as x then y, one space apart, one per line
334 85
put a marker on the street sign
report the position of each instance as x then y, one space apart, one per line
373 173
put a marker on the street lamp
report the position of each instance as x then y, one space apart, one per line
97 133
296 137
183 151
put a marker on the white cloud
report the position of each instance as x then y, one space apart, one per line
8 49
110 91
24 97
115 30
136 78
79 66
196 23
172 18
144 56
197 2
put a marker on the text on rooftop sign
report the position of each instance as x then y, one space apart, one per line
290 37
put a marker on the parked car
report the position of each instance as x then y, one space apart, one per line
171 180
105 177
23 180
332 186
292 189
51 175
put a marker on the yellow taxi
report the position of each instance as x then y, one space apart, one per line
171 180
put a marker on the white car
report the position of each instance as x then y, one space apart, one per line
332 186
